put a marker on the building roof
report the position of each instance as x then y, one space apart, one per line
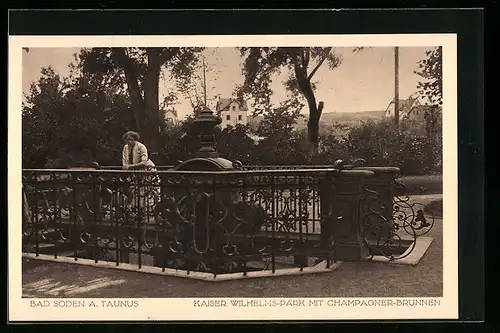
223 104
404 103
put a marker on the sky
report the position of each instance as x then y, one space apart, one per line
363 82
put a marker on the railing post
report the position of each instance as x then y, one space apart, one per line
36 221
300 260
124 251
345 200
327 232
382 183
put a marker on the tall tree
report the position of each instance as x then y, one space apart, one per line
280 120
142 68
280 141
99 104
40 116
260 63
200 88
75 119
431 88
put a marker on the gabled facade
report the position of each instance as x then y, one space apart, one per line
232 112
171 117
408 108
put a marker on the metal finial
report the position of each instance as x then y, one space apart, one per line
206 122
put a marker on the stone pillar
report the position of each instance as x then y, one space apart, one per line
345 209
361 200
382 183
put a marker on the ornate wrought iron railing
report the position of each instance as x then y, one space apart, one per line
215 222
390 220
392 231
250 218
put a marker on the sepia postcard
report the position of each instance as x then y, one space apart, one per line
235 177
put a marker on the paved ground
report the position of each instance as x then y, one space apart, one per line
366 279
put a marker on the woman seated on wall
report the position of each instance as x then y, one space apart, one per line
135 157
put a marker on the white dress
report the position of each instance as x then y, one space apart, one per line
148 185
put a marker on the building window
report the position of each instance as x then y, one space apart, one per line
228 117
234 108
240 117
170 120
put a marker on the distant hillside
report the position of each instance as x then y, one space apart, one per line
329 118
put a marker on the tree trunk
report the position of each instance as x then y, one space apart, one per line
313 123
131 76
151 99
430 117
315 110
145 105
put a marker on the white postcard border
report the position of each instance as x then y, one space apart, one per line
180 309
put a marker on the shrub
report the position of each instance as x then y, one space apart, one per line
379 143
333 147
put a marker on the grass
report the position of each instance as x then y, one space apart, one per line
426 184
436 206
353 279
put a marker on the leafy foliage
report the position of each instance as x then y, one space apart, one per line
431 71
194 86
235 144
73 122
379 143
431 86
280 120
40 116
141 68
81 119
277 132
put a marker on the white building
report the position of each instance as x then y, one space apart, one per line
171 117
408 108
232 112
